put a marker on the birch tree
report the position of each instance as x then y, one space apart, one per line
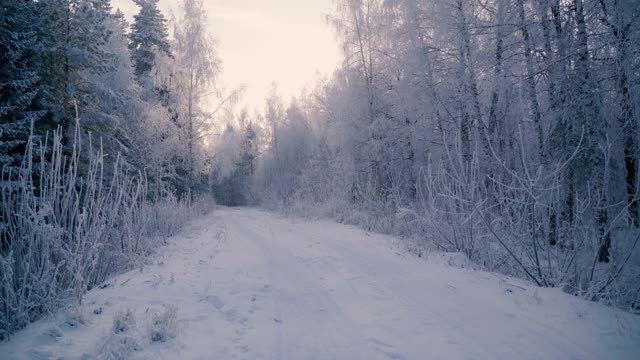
198 66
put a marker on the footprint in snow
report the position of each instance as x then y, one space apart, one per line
379 342
244 348
231 315
394 356
214 300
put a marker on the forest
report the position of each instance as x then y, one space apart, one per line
505 130
102 143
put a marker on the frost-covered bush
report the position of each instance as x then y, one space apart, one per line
127 336
164 325
118 347
124 321
122 340
517 223
65 227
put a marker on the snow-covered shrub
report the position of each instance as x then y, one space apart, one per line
54 332
165 219
124 321
66 227
122 340
450 199
75 317
118 347
164 325
516 223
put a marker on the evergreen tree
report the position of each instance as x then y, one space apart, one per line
74 35
112 101
149 37
19 80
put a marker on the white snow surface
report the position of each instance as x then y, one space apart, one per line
248 284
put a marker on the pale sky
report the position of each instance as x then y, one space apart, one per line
261 41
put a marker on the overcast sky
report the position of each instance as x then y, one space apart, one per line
261 41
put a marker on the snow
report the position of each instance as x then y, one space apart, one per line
247 284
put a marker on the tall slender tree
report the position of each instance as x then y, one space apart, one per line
198 65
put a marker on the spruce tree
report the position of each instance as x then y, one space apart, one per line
74 35
149 37
19 80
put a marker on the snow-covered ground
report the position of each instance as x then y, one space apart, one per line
246 284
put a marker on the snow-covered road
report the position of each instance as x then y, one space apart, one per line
252 285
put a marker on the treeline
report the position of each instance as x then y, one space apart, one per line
102 142
503 129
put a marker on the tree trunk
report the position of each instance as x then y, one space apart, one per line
531 81
588 113
495 127
191 135
620 30
469 82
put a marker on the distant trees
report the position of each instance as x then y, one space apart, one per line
234 163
